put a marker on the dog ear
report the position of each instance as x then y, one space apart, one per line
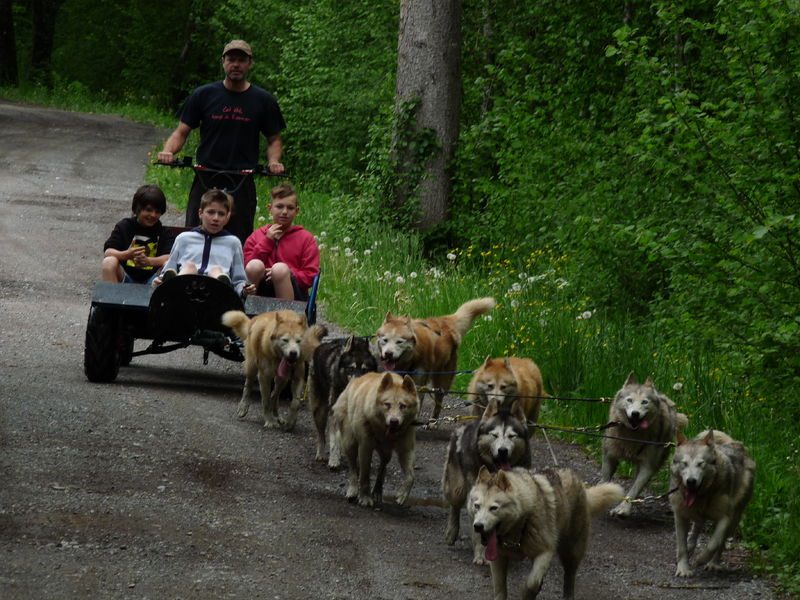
388 316
517 412
631 379
709 439
491 410
409 385
649 382
502 481
348 345
680 438
507 363
484 474
488 360
386 382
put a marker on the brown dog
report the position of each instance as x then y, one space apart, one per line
508 379
427 349
277 346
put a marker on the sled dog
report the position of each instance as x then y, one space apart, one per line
499 440
507 379
334 364
522 515
647 420
277 346
714 475
427 349
376 413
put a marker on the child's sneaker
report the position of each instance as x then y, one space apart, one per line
168 274
225 279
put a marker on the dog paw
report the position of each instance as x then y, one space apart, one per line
244 407
450 537
334 465
271 424
683 570
714 566
365 501
622 510
402 498
480 561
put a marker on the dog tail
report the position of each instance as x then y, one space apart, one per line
238 321
603 496
312 338
468 311
681 421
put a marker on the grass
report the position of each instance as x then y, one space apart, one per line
582 351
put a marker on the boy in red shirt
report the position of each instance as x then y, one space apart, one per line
282 259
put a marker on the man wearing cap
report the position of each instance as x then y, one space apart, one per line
231 114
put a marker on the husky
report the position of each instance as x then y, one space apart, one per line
715 476
523 515
277 346
427 349
507 379
334 364
376 413
648 421
499 440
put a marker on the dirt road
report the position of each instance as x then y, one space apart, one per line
151 488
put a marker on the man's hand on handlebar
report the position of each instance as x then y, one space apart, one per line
166 157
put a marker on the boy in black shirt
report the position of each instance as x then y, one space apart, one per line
139 245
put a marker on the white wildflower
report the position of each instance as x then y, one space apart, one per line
262 218
587 314
355 260
348 252
346 239
322 246
367 252
677 386
561 283
515 287
488 317
400 279
322 234
515 304
451 256
413 275
334 249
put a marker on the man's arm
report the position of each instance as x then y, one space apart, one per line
174 143
274 153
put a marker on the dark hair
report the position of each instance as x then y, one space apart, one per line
149 195
215 195
283 190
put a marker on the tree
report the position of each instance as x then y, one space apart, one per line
44 27
428 89
8 45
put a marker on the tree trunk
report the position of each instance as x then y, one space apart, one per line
44 28
429 74
8 45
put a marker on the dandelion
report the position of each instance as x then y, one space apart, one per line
522 276
322 246
413 275
387 275
261 218
367 252
334 249
400 279
346 239
515 304
587 314
516 287
488 317
323 234
677 386
451 256
355 260
348 252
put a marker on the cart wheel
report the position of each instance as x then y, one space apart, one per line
125 349
100 351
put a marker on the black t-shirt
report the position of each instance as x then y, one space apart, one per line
230 124
128 233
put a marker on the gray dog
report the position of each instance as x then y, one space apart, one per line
334 364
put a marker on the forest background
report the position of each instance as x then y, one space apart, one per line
626 182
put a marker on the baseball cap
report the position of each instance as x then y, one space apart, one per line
238 45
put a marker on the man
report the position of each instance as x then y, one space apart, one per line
231 114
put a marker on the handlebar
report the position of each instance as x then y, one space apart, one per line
187 163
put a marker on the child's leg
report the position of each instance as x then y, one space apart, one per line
255 271
282 281
111 270
188 268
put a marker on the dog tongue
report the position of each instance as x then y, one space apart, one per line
505 466
689 498
491 547
389 365
283 368
644 424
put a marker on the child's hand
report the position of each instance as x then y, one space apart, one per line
135 253
249 289
275 231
